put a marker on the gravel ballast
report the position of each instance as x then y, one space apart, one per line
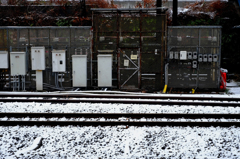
117 141
110 108
120 142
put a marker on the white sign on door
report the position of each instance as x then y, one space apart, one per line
126 63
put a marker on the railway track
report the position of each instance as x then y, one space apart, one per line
121 98
113 119
168 102
127 119
80 95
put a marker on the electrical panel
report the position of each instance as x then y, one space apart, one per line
205 57
194 55
176 55
200 57
209 57
105 70
215 58
189 55
3 59
194 64
198 62
183 55
38 58
79 70
18 63
58 61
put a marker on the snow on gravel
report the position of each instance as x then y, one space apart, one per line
233 87
117 141
120 142
234 90
110 108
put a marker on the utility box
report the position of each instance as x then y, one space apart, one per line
200 57
215 58
194 55
105 70
38 58
183 55
176 55
194 64
209 57
79 70
18 63
189 55
205 57
3 59
58 61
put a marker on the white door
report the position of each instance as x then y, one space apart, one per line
79 70
105 70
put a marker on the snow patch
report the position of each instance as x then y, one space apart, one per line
36 143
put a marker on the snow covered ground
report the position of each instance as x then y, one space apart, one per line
234 87
119 141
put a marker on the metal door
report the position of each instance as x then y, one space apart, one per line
79 70
129 68
18 63
104 70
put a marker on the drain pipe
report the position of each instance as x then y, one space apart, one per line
166 78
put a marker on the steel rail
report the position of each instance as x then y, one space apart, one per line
119 115
123 101
109 96
116 123
126 122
